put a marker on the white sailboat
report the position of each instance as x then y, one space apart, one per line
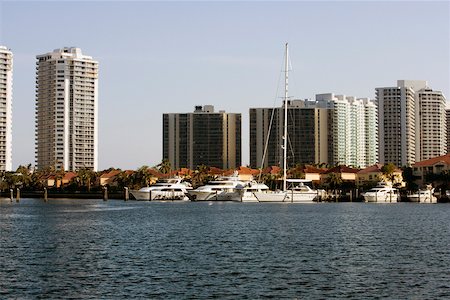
298 192
280 196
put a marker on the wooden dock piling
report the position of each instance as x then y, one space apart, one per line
126 194
105 193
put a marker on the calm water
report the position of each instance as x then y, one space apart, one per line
95 249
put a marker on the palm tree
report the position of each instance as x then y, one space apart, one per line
164 167
24 176
388 171
200 176
86 178
123 180
297 172
334 181
141 178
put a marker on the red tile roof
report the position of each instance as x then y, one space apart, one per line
376 168
110 174
445 159
310 169
69 175
217 171
247 171
341 169
274 170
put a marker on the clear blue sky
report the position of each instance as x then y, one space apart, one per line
163 57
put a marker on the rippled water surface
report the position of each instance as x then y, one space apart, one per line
118 250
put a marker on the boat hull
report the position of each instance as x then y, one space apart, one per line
158 195
422 198
213 196
270 196
381 198
302 197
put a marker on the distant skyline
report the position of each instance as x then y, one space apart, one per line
167 57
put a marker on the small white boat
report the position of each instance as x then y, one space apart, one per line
381 194
164 189
423 196
224 188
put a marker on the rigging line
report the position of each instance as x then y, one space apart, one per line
270 123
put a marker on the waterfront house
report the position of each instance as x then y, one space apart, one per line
108 178
56 181
370 176
437 166
313 173
346 174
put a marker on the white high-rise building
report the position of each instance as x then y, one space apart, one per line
66 110
353 129
6 73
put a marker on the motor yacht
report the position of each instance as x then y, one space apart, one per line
224 188
299 192
381 194
423 196
164 189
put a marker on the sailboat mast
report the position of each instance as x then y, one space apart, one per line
286 85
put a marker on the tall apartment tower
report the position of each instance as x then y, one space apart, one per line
431 124
397 122
204 137
412 123
6 73
66 110
447 114
307 135
354 136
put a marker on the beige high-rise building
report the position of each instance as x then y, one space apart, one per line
66 110
204 137
397 123
6 73
431 124
308 135
447 114
412 123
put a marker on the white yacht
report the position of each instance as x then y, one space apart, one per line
299 192
381 194
224 188
423 196
164 189
247 193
